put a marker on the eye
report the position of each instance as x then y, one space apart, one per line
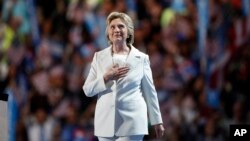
112 27
121 26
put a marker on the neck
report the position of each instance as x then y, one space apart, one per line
120 49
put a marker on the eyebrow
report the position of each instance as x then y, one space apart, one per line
119 24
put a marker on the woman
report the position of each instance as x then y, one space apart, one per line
121 77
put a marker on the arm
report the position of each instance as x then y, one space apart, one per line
150 94
151 98
94 83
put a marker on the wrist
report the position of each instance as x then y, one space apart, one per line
159 124
105 78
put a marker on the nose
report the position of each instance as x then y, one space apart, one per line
116 29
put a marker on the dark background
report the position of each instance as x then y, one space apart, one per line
202 81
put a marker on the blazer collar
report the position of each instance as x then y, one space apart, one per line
107 55
133 54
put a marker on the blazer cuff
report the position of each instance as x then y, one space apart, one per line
101 86
155 118
156 121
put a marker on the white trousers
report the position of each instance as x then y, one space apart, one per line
126 138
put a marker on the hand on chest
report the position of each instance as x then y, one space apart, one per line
135 64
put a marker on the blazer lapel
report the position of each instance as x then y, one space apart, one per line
106 58
106 61
134 57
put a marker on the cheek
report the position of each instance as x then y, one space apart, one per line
109 35
126 33
110 32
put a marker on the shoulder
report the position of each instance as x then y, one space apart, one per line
143 56
139 53
102 53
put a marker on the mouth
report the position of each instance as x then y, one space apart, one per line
117 36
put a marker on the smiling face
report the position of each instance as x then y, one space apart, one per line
117 31
119 28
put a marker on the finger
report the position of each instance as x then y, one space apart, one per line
123 68
157 132
121 76
116 72
116 77
123 72
161 133
120 70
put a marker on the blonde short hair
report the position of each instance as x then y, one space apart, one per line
127 21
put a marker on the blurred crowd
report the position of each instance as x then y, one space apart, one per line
46 48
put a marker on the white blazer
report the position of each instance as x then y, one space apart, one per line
123 105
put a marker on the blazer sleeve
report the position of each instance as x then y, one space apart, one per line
150 95
94 83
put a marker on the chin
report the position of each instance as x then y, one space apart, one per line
118 40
